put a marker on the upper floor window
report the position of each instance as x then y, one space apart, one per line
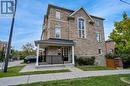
97 22
98 37
57 15
57 32
81 28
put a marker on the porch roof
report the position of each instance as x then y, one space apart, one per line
55 42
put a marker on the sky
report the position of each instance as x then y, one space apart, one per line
30 15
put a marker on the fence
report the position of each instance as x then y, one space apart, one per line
114 63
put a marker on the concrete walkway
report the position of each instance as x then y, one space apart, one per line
57 76
32 67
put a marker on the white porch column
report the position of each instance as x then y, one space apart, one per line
37 55
73 60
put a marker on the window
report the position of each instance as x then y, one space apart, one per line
99 51
81 28
57 15
98 37
111 51
97 22
57 32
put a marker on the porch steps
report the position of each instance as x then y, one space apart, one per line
55 65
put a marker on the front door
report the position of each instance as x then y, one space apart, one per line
65 53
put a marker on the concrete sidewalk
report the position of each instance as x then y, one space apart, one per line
57 76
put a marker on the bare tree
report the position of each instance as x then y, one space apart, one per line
28 47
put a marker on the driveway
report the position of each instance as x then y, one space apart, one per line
57 76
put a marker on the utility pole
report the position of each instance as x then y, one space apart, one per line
10 39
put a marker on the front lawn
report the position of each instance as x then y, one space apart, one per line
113 80
14 71
93 68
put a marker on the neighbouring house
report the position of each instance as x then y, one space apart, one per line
3 45
69 33
110 46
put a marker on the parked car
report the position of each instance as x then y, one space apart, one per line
30 59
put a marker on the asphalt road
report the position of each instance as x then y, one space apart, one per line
11 64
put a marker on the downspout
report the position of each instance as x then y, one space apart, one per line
68 29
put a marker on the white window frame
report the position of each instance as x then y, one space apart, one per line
58 28
58 15
81 26
99 37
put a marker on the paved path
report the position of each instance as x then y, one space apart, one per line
57 76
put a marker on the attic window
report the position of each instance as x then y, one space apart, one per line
97 22
57 15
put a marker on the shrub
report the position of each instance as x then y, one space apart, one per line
85 60
126 60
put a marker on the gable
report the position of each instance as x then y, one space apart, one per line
82 9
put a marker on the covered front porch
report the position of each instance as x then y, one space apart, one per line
55 52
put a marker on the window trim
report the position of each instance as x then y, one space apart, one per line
84 26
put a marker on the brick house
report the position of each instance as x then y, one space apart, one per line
68 33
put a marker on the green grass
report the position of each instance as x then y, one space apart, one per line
14 71
92 68
113 80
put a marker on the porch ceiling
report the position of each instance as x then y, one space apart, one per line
54 42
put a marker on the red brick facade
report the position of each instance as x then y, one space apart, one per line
110 46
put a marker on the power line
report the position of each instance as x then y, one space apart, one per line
125 2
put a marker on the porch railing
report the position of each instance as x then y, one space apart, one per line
54 59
